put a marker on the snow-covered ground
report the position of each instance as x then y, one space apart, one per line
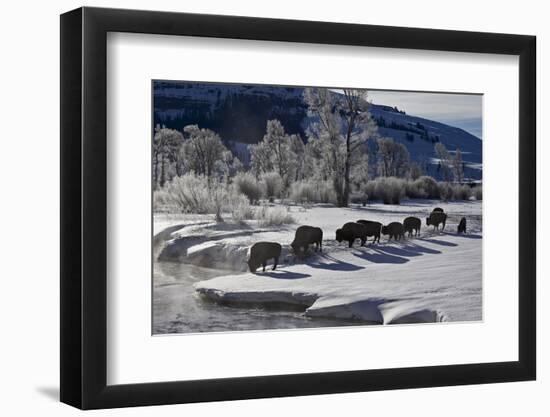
435 277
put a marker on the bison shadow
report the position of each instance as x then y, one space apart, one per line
380 256
282 274
437 242
403 251
333 264
467 236
394 254
414 247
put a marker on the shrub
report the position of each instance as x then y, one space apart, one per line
477 192
390 189
312 192
302 192
248 185
273 216
445 191
219 198
160 200
359 198
415 189
240 208
427 186
188 193
461 192
273 185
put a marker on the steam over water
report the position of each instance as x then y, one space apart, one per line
178 309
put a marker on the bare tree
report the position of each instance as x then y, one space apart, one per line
444 161
344 124
415 170
393 158
458 167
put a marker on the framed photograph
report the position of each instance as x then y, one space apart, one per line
258 208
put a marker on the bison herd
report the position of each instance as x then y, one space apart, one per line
261 252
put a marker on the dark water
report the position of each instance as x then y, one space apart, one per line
178 309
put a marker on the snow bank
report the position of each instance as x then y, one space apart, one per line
431 279
217 245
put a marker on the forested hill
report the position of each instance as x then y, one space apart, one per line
239 113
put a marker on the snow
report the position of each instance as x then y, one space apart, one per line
433 278
436 277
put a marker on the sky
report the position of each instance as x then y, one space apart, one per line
459 110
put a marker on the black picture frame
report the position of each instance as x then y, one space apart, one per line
84 207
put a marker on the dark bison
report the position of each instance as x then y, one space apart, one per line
351 231
261 252
435 219
438 210
411 224
462 225
394 229
306 235
373 229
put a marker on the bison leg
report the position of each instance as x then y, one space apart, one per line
363 241
264 264
320 246
275 263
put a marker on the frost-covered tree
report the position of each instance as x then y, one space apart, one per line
228 166
203 149
276 152
458 167
393 158
342 126
166 144
297 151
360 176
445 161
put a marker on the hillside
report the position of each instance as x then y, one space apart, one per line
239 112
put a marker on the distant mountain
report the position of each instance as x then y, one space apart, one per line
239 113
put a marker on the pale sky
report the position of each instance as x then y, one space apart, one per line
459 110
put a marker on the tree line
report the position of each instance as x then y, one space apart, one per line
336 151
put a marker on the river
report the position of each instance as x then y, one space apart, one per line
178 309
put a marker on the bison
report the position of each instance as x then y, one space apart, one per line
305 235
438 210
261 252
462 225
435 219
351 231
411 224
394 229
373 229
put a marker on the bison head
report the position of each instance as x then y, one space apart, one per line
339 235
252 265
385 230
